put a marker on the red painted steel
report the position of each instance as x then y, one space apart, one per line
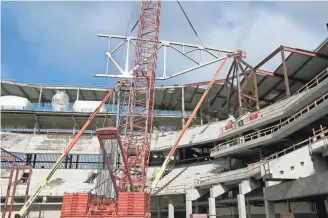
190 120
136 123
139 117
128 204
121 176
12 184
12 169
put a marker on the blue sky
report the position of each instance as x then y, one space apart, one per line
57 43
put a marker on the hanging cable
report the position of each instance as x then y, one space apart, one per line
127 30
135 25
190 23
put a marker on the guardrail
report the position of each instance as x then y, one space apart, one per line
48 107
244 173
255 168
238 174
279 105
318 134
272 129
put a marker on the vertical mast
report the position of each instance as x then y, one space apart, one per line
139 116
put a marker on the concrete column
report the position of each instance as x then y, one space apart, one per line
158 207
196 207
321 208
188 208
78 94
269 209
241 206
171 209
184 153
211 208
201 117
40 97
284 67
269 206
182 106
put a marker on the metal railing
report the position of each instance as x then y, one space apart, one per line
251 170
270 130
255 168
111 109
278 106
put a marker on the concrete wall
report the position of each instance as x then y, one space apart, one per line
294 165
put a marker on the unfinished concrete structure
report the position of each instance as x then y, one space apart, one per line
271 159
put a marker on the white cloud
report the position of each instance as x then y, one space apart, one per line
64 33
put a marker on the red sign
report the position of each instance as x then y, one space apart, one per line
228 127
253 116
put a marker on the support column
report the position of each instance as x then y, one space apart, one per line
211 208
188 208
196 207
241 206
78 94
183 106
321 208
184 153
40 97
269 205
240 106
246 186
201 117
170 208
284 67
269 209
113 104
158 207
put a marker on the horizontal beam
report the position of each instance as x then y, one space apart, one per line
305 52
166 43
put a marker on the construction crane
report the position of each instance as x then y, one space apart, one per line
136 124
139 117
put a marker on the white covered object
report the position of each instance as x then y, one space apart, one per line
87 106
60 101
231 119
15 103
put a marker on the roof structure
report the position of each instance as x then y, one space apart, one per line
301 69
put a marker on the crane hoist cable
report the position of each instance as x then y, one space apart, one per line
127 30
186 16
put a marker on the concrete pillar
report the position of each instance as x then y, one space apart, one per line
211 208
241 206
321 208
269 206
158 207
196 207
170 209
40 97
182 106
184 153
201 117
284 67
188 208
78 94
269 209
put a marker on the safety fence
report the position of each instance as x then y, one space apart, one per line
107 108
252 170
270 130
278 106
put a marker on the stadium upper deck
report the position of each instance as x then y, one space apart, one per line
308 84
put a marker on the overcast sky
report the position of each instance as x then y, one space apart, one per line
57 43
